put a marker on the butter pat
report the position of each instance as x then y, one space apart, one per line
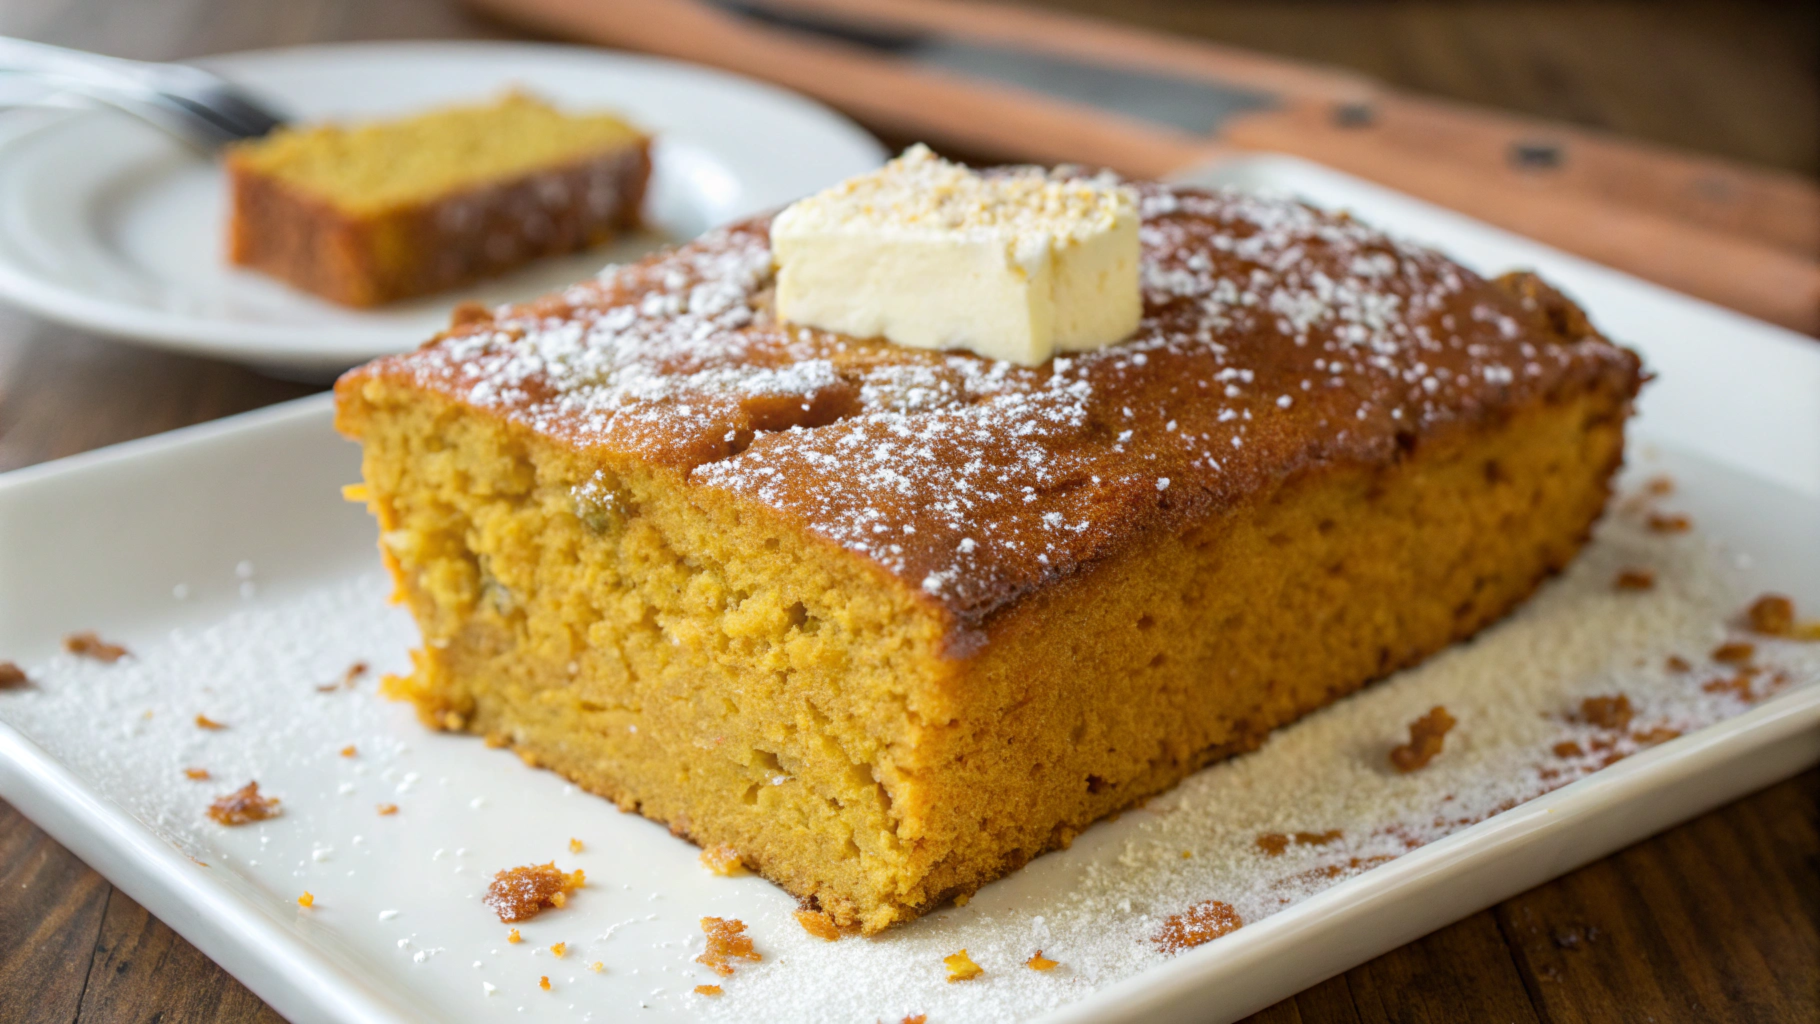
930 254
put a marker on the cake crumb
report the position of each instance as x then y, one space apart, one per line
1661 523
387 810
574 845
353 674
243 805
513 937
963 899
1676 663
1039 962
1659 485
89 645
597 967
12 675
723 860
1568 748
544 983
1774 615
348 751
818 924
1273 843
1426 736
1733 653
1659 734
1607 712
558 949
707 990
1318 838
1199 924
1635 579
307 899
198 774
356 493
205 722
521 893
726 941
961 967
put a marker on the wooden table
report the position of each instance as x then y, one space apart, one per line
1718 920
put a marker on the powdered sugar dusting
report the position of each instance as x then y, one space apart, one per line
403 887
1274 336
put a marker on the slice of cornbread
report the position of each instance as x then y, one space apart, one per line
890 622
375 212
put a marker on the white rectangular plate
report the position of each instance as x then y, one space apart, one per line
224 558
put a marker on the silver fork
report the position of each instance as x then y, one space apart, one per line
200 108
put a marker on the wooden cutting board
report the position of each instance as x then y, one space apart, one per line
1022 84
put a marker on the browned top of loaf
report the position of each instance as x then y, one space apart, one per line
1275 338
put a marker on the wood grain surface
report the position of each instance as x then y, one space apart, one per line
1717 920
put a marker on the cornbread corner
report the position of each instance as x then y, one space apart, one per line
370 213
891 622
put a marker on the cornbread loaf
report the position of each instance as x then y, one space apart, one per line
367 214
890 622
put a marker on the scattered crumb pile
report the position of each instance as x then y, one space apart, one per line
521 893
1199 924
243 805
727 941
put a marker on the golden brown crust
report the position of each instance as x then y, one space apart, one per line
1276 339
366 260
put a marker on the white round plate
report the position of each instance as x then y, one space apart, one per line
109 225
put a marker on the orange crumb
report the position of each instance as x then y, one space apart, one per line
306 900
1635 579
1660 734
558 949
961 967
1660 485
1426 736
519 894
722 860
1568 748
1607 712
348 751
544 983
574 845
915 1018
1661 523
1676 663
1733 653
513 937
707 990
387 810
88 645
1772 615
243 805
1273 843
205 722
726 941
198 774
12 675
1039 962
1201 923
818 924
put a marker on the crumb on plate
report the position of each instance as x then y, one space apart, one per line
521 893
243 805
961 967
1426 736
727 941
88 645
